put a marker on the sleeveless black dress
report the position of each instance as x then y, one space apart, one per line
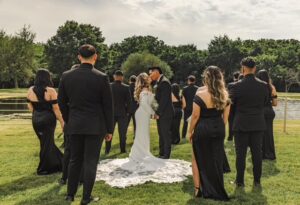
208 146
268 147
44 123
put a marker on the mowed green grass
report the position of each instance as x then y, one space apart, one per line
19 184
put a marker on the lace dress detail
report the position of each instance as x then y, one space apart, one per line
142 166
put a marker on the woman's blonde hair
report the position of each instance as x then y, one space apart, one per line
214 80
141 82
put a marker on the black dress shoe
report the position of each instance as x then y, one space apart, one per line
240 185
69 198
62 181
256 184
90 200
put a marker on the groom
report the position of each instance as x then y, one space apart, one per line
165 111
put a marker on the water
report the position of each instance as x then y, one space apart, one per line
293 110
10 106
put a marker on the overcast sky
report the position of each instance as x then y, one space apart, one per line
173 21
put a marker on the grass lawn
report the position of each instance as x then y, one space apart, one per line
19 156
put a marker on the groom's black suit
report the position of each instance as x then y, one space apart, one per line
165 112
85 100
249 96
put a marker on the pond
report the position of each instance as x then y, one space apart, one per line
10 106
18 106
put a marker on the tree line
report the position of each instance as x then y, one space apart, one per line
20 57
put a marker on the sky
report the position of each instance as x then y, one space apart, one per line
176 22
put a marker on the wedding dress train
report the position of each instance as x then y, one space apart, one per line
142 166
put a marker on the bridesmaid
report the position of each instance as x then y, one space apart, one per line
42 102
268 147
207 133
177 104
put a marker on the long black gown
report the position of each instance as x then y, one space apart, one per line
208 146
268 147
44 123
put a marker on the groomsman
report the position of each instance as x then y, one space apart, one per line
122 103
165 111
188 94
134 103
232 108
85 100
249 96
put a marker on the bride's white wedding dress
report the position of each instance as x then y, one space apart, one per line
142 166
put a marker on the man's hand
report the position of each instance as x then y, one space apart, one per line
108 137
156 117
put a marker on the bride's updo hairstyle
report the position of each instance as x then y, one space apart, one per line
142 81
214 80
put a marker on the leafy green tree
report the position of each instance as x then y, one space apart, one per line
137 63
62 49
17 57
225 53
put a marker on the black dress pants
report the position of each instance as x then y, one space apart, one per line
122 128
85 152
243 140
165 136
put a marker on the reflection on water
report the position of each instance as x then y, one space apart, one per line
13 105
10 106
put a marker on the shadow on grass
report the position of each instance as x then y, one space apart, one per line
24 183
268 168
49 197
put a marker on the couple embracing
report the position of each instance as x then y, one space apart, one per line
142 166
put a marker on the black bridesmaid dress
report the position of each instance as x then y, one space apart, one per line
44 123
208 146
268 147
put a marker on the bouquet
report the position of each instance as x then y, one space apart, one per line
154 105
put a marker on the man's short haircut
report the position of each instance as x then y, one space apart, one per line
191 78
248 62
86 51
118 73
132 79
155 68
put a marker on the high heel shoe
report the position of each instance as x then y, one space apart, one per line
197 192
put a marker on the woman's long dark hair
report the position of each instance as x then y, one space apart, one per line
264 76
41 81
176 91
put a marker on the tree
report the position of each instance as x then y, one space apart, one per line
226 54
134 44
17 56
137 63
61 49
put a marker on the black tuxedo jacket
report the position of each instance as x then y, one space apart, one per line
249 97
134 104
188 93
122 98
163 97
85 100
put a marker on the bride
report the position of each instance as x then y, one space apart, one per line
142 166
